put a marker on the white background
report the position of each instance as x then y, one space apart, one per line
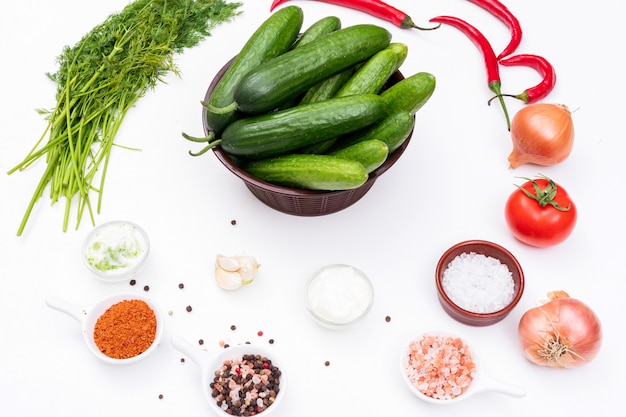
450 185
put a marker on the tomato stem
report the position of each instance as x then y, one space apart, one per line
544 196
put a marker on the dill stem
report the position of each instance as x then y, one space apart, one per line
99 79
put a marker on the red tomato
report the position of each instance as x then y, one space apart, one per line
544 217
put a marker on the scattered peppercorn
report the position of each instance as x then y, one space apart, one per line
233 222
271 341
327 363
189 308
170 312
233 327
201 342
387 319
146 288
133 282
160 396
181 285
182 360
226 345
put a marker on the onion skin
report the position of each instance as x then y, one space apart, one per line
562 333
542 134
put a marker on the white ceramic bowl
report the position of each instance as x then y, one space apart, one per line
482 382
339 296
116 251
87 318
211 362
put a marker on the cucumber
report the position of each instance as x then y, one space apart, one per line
284 131
308 171
317 30
319 147
288 75
322 27
409 94
375 72
323 91
393 130
274 37
327 88
370 153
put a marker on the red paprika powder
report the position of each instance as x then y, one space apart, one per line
126 329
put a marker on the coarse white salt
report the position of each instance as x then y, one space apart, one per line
478 283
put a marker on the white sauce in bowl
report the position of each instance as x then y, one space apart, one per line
116 250
339 295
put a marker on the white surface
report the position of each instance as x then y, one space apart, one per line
450 185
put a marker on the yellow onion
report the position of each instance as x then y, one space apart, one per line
542 134
562 333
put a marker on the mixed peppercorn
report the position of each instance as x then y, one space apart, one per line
246 386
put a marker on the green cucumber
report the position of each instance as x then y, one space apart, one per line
323 91
288 75
285 131
375 72
317 30
320 28
309 171
319 147
393 130
370 153
274 37
409 94
327 88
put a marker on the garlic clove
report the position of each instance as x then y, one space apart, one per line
231 272
248 271
228 280
227 263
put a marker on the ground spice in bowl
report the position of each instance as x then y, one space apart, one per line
126 329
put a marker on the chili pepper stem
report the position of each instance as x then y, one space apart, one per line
495 87
518 96
408 23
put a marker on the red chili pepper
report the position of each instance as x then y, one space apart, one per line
543 67
502 12
491 62
375 8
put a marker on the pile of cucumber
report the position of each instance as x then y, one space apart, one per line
311 111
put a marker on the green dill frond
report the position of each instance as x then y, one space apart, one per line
100 78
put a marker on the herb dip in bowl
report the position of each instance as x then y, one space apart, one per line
116 250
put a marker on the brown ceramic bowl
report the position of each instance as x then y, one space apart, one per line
491 250
295 201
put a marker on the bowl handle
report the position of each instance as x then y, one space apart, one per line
198 356
76 312
495 385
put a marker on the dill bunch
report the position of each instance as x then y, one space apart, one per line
98 80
